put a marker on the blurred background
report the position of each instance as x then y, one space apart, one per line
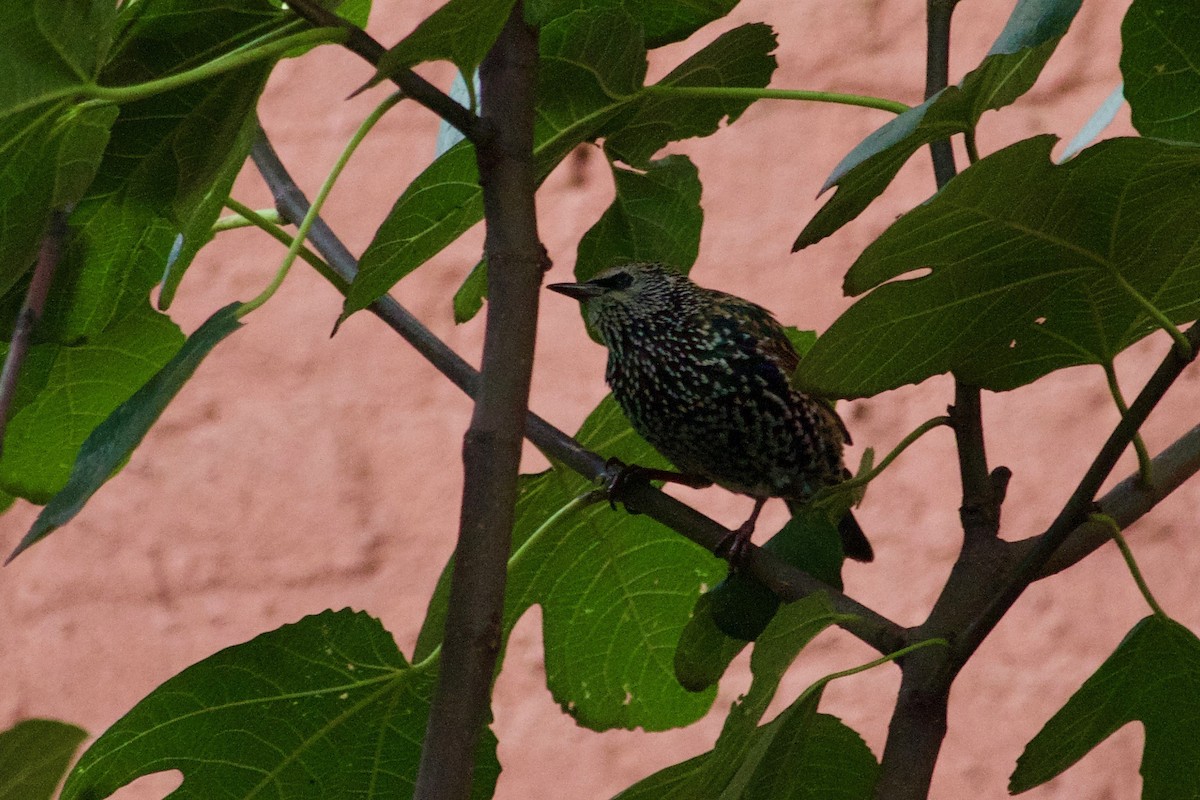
298 472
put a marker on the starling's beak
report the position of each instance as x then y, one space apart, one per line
579 291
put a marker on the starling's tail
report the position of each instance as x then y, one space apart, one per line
854 541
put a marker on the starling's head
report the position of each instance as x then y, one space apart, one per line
628 293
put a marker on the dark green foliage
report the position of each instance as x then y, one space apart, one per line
322 708
1009 70
798 754
1161 64
114 439
655 216
34 756
1017 268
1034 267
1152 677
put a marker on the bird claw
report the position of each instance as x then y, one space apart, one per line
734 547
616 475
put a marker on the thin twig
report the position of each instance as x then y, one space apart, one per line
788 582
50 254
413 85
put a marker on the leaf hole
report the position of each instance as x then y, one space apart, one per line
913 274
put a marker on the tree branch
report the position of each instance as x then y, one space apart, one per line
413 85
918 723
492 446
788 582
50 254
1079 505
1129 501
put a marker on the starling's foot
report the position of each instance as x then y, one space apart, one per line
735 546
618 473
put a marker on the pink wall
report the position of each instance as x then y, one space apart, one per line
298 472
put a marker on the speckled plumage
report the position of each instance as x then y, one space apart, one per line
704 377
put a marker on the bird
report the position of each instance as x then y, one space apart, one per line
704 377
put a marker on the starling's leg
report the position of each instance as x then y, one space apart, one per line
619 473
733 547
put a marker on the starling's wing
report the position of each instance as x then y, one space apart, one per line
762 333
768 339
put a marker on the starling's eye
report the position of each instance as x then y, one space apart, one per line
618 280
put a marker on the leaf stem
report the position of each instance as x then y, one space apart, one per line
264 223
218 66
1115 530
1181 343
576 504
862 480
822 682
1145 468
752 93
972 147
318 201
240 220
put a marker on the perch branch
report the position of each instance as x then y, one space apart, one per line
788 582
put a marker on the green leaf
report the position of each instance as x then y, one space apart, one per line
1026 263
1008 71
49 148
195 211
49 159
741 607
356 11
591 65
34 756
172 158
470 296
50 49
439 206
112 442
740 58
813 756
65 391
615 592
656 216
1160 60
705 651
1152 677
326 707
664 21
461 31
799 754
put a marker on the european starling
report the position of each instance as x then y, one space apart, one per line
704 377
